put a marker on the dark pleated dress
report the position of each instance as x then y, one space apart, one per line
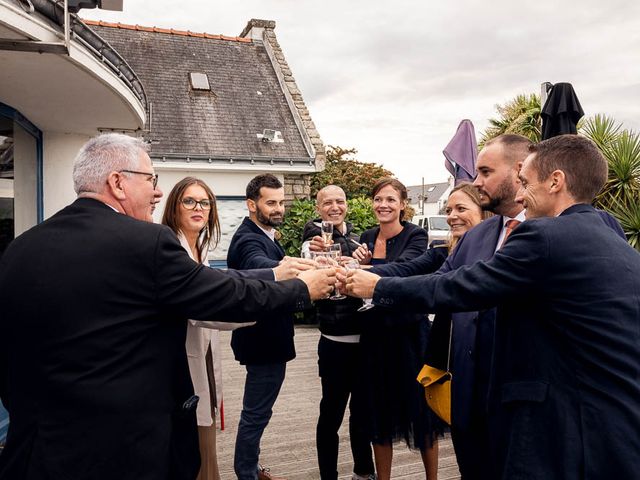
394 347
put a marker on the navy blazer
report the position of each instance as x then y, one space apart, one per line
93 368
473 332
251 248
565 388
410 243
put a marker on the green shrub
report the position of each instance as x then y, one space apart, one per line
300 212
361 214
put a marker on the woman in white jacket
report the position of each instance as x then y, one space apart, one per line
192 214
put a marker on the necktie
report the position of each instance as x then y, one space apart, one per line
508 228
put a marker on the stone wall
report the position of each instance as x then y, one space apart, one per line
296 186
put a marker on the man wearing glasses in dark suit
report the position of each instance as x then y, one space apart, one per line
93 369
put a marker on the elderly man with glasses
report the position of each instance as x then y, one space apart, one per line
93 369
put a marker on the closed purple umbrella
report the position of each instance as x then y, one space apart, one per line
461 153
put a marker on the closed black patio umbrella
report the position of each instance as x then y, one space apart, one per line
561 112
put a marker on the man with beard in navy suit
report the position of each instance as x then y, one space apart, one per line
263 351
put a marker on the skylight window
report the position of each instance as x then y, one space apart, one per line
199 81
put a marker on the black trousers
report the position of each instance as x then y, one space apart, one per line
473 446
339 369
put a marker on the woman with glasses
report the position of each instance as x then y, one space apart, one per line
192 214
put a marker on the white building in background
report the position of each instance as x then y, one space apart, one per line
430 198
53 98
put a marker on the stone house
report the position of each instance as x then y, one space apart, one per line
221 108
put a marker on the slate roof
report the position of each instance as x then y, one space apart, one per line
246 96
433 196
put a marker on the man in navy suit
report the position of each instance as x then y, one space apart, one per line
564 397
264 351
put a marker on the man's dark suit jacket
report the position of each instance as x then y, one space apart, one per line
92 333
473 332
251 248
565 387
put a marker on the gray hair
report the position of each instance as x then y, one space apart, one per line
102 155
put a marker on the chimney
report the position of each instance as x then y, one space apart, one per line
255 28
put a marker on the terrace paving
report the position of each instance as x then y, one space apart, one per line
288 445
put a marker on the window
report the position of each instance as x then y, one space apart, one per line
231 211
6 186
199 81
439 223
4 424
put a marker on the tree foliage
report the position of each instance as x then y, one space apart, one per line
298 214
621 148
342 169
620 195
521 116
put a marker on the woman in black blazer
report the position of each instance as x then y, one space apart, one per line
463 213
393 344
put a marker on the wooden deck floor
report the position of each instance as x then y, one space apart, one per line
288 445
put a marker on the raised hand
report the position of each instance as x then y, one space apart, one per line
317 244
362 254
290 267
319 282
361 284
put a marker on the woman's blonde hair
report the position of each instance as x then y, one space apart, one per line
471 192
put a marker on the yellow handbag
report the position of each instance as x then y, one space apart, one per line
437 387
437 391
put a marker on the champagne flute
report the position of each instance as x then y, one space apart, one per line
327 232
366 302
335 253
322 258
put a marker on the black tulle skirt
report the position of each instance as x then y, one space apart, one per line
393 354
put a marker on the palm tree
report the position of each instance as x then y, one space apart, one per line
621 147
620 195
520 115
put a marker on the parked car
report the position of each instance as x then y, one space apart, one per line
435 225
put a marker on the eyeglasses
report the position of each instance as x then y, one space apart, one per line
190 203
152 176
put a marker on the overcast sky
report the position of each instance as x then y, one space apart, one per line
394 79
